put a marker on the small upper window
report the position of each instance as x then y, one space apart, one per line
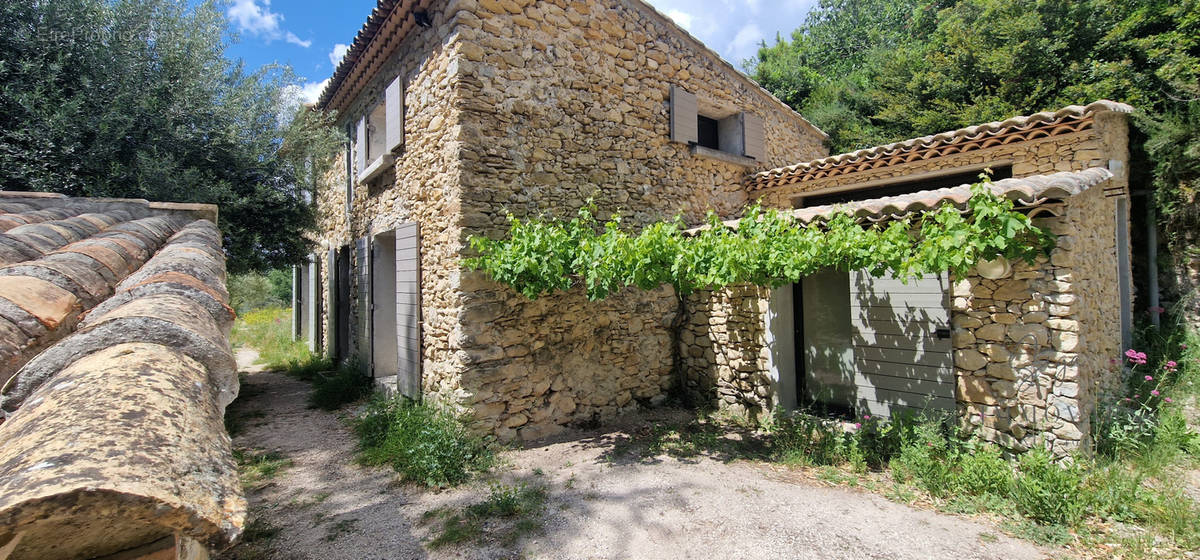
723 133
708 131
376 138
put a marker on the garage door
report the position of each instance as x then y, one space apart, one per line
903 357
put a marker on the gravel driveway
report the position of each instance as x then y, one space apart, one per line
324 506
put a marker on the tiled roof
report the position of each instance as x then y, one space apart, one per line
1025 192
390 21
116 366
1050 123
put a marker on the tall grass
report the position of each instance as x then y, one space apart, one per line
269 331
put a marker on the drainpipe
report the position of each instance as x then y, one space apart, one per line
1152 256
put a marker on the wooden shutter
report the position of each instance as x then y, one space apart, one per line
394 114
683 116
752 134
362 263
312 313
408 309
331 304
360 148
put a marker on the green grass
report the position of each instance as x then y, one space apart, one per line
510 513
425 443
269 331
257 467
346 385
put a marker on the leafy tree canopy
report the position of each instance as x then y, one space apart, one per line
135 98
875 71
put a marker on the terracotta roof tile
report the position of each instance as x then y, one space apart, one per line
50 304
1050 123
1025 191
148 370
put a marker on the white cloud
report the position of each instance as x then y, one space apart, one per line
338 53
684 19
310 91
260 21
747 37
293 39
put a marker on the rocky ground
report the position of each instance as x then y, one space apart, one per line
321 504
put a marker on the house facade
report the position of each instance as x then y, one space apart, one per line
458 114
529 108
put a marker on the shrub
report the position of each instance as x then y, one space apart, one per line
983 470
802 438
424 443
346 385
1049 492
269 331
928 457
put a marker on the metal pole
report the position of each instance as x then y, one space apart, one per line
1152 258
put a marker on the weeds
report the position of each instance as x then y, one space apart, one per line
269 330
518 507
424 443
255 468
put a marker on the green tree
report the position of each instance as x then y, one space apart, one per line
135 98
871 71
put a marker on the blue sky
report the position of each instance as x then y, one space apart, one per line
311 36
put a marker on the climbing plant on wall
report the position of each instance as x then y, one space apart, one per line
766 248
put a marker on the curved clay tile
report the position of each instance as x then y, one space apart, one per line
115 458
170 320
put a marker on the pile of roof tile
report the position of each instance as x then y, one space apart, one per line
114 324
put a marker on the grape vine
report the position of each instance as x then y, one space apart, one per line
767 248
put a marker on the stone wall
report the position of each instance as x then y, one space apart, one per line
1033 350
724 350
534 108
565 102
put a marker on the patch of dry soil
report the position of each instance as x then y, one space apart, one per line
327 507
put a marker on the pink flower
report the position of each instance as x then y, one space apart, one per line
866 417
1127 399
1149 378
1170 365
1137 358
1154 392
1157 310
857 425
1167 399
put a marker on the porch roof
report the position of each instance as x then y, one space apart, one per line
1025 192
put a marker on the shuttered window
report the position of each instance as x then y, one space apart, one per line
394 115
739 134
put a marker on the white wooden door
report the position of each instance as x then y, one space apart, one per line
408 310
903 357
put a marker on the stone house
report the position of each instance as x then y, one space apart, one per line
1022 352
116 371
458 113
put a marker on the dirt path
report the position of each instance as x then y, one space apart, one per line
325 506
